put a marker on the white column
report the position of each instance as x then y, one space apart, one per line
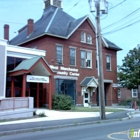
3 69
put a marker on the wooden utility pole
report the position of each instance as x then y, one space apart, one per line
100 65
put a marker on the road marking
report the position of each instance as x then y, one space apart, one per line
110 136
117 133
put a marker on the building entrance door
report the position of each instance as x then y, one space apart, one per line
86 99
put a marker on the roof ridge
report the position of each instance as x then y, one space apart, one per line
56 10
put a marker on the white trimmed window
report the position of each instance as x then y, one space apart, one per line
59 54
134 93
83 37
89 39
108 62
86 59
119 93
72 57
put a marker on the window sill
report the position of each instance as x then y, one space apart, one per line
83 42
86 67
109 70
72 65
134 96
59 64
89 43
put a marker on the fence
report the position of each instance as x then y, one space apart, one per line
14 103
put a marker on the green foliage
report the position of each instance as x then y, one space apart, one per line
129 72
62 102
138 102
126 102
42 114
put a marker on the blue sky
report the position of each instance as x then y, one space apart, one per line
16 12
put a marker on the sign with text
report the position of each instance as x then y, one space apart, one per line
37 79
67 71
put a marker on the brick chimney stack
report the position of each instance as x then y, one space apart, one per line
6 31
30 26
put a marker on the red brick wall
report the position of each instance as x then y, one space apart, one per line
125 93
48 43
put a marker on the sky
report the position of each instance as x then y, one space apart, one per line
17 12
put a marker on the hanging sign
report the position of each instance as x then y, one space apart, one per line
37 79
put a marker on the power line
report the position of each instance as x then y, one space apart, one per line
121 28
122 19
117 5
126 23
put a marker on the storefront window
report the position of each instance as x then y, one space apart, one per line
10 63
67 87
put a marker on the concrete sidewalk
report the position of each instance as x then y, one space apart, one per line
59 119
52 115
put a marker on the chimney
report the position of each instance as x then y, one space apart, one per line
56 3
6 31
30 26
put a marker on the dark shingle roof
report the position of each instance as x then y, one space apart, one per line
55 22
86 81
112 45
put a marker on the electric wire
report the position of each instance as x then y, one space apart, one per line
132 13
121 28
117 5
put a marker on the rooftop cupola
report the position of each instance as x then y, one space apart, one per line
57 3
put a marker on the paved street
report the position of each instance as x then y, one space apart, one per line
100 131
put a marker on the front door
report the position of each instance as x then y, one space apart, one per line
86 99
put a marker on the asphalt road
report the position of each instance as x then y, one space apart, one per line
102 131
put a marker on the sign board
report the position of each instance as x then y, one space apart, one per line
114 85
37 79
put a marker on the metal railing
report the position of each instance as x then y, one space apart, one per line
14 103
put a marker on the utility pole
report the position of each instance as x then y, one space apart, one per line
96 4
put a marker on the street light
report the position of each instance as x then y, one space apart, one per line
97 6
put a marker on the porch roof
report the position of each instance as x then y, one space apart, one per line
35 66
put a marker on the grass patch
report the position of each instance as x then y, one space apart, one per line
93 109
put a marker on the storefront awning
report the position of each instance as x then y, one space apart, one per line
35 66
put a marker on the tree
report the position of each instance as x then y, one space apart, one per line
129 72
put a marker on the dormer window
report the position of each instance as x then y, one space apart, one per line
83 37
89 39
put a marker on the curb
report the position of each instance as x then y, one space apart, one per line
58 126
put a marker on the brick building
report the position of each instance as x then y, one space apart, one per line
70 46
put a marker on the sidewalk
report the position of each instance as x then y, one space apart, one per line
58 119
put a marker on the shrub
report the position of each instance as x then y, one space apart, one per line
42 114
62 102
126 102
138 102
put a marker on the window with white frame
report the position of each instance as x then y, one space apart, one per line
89 39
108 62
134 93
86 59
72 56
59 54
119 93
89 59
86 38
83 58
83 37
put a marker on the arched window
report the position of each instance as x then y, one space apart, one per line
89 39
83 37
